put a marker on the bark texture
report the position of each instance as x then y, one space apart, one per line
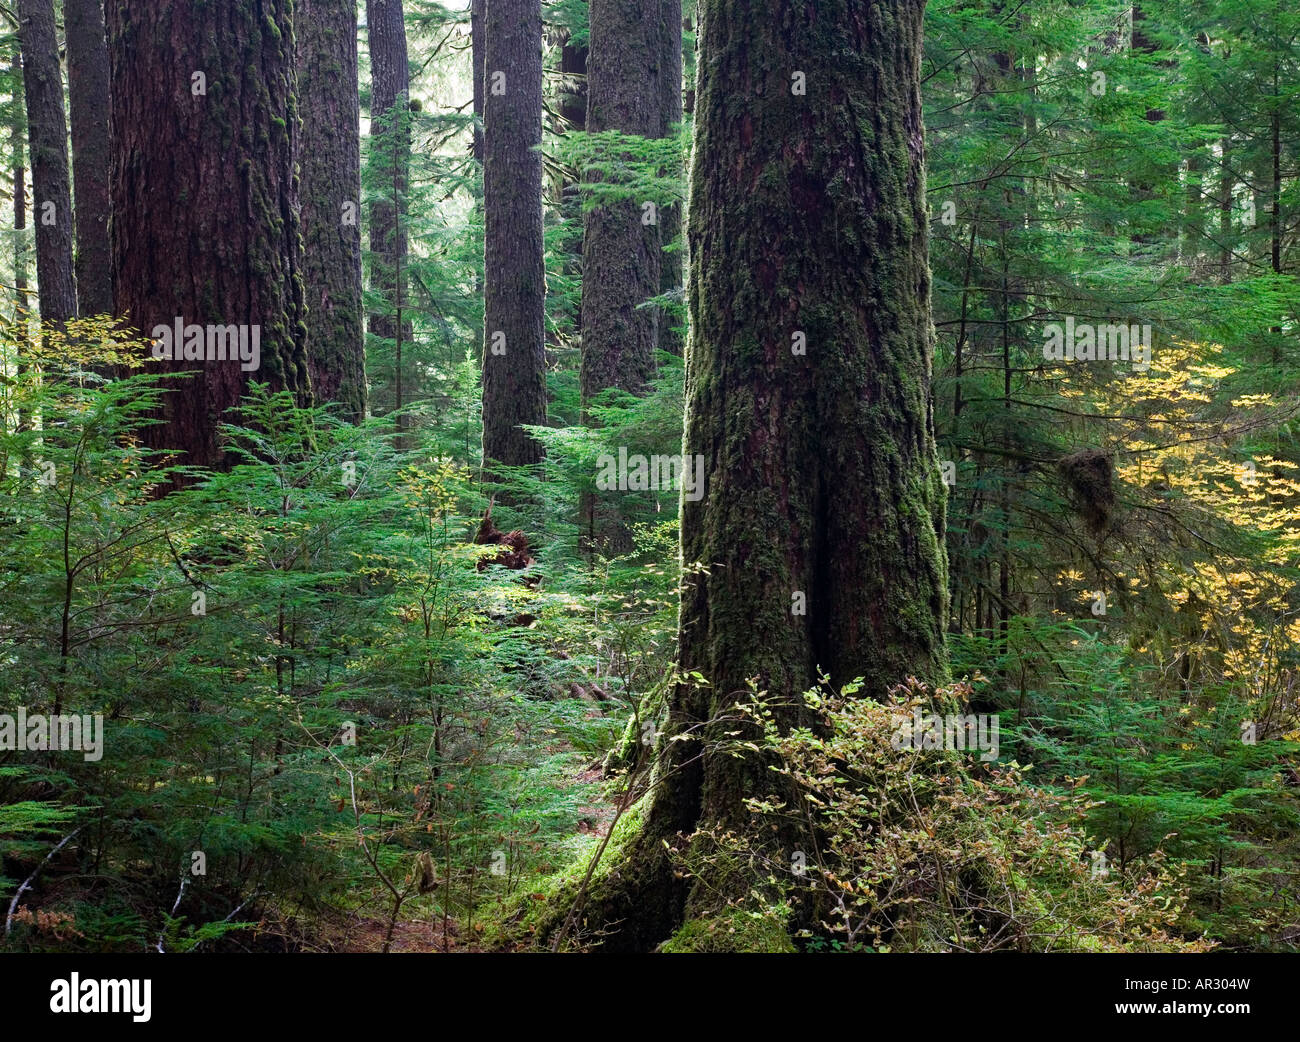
205 196
477 13
330 167
573 85
514 306
18 146
808 226
48 135
620 252
390 86
88 105
18 149
573 119
672 262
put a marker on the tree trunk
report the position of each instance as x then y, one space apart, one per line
573 85
17 144
808 233
205 202
672 264
620 250
514 307
390 86
573 119
88 104
830 454
477 13
48 133
1226 237
330 163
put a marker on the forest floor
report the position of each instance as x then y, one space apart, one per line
427 934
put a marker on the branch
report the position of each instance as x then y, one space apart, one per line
13 905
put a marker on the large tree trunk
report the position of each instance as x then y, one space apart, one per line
477 14
514 307
48 133
88 104
330 166
620 251
390 85
477 18
573 85
17 145
808 227
205 198
672 264
573 119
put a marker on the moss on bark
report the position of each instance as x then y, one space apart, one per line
808 396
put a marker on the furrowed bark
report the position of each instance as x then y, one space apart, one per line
808 234
330 166
205 198
48 135
88 104
514 381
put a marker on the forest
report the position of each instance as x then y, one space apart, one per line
632 476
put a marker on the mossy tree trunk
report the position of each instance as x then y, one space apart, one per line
48 134
514 306
330 165
390 85
808 396
88 101
670 217
205 197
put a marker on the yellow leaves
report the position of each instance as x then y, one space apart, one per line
1210 373
434 490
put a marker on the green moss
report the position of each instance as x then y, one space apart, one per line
734 931
530 917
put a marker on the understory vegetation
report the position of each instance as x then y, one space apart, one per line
360 691
315 681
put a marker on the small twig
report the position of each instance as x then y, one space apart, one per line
161 933
13 905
